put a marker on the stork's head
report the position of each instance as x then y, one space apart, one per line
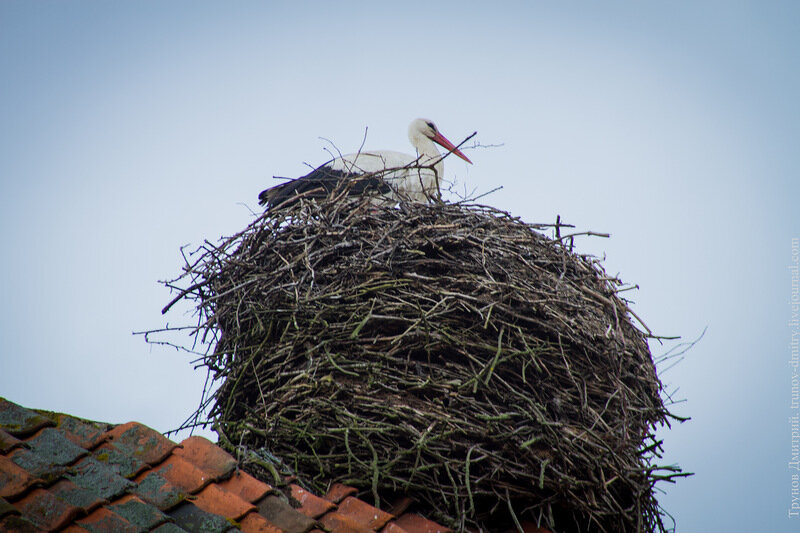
424 128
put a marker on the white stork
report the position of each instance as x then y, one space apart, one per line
393 174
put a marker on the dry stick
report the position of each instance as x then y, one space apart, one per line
589 233
183 294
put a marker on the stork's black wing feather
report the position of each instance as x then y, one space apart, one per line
320 183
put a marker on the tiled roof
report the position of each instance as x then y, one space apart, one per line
60 473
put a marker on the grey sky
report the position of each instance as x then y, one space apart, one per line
130 129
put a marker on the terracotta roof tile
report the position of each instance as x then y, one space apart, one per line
58 472
310 505
37 465
169 527
364 513
8 442
156 490
18 524
208 457
182 474
339 492
192 518
138 512
45 510
19 421
339 523
280 513
85 434
99 477
121 463
400 505
414 523
14 480
255 523
141 442
392 527
216 500
51 445
67 491
104 520
246 486
6 508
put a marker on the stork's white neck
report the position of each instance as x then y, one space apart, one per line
427 152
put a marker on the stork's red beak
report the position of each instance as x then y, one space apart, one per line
442 141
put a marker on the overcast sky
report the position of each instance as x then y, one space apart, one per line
129 129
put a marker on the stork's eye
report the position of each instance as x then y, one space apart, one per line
431 125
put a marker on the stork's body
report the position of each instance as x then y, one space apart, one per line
393 174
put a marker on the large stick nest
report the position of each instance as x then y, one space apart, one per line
448 352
